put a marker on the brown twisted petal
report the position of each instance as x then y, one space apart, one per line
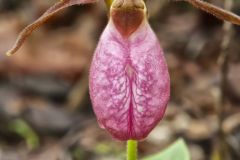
214 10
57 7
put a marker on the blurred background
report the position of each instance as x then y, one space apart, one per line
45 111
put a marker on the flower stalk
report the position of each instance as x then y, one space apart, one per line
108 3
132 150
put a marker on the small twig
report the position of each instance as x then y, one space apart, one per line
224 66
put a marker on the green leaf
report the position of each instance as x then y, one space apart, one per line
21 128
177 151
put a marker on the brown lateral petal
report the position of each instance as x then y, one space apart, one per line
57 7
216 11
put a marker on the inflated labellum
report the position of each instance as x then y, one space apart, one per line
129 80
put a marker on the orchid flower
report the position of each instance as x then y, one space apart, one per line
129 79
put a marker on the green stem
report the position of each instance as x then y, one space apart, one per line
108 3
132 150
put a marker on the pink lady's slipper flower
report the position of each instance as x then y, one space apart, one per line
129 80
